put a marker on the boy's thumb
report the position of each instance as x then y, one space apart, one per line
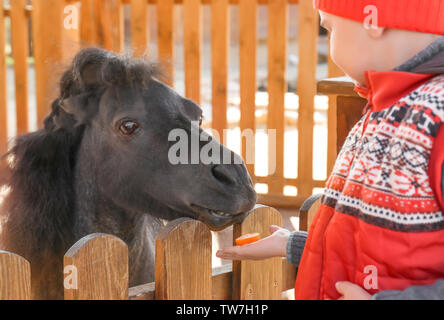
274 228
341 286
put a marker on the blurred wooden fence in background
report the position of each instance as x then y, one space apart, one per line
101 23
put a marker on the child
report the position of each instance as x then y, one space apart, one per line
379 231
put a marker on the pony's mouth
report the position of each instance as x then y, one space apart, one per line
216 219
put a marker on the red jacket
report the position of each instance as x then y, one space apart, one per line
380 224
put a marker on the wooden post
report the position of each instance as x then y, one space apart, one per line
96 268
165 36
111 25
193 48
258 280
139 27
219 61
3 100
183 261
20 52
308 38
277 87
89 23
348 107
48 52
15 277
70 32
247 73
333 71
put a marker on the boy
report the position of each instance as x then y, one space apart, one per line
379 232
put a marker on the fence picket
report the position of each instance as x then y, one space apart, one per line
193 48
258 280
183 261
219 61
277 86
15 277
89 23
20 51
3 97
48 53
111 25
248 87
308 38
139 27
96 268
165 34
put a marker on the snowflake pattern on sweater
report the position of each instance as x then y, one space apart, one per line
381 173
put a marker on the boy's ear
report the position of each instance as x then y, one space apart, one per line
375 32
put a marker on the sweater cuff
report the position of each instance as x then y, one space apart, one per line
295 246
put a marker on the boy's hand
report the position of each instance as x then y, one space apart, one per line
274 245
351 291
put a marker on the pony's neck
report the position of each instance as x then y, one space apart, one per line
95 212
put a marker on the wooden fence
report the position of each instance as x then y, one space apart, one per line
101 23
96 267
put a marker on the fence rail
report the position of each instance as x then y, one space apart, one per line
97 267
101 23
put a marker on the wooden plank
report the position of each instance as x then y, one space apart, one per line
192 12
89 23
3 97
247 73
183 261
337 86
139 27
349 111
277 87
165 37
258 280
20 52
111 25
289 272
142 292
222 282
333 71
308 38
70 32
219 64
96 268
308 211
48 52
15 277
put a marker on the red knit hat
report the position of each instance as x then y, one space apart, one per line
415 15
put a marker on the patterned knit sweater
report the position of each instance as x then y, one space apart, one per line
380 200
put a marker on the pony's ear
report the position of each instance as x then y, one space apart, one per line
191 110
90 75
87 67
78 107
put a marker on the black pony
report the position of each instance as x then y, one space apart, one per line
101 165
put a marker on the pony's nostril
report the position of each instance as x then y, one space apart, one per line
222 174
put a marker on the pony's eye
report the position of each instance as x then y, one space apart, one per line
128 127
200 120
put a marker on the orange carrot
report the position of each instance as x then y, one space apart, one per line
247 238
